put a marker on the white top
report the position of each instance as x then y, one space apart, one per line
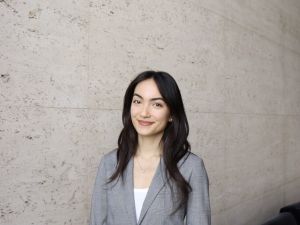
139 197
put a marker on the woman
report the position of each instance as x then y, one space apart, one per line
152 178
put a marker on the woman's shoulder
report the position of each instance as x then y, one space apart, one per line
111 154
110 158
191 160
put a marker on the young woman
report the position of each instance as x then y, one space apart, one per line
152 178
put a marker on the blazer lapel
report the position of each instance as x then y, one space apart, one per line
156 185
128 194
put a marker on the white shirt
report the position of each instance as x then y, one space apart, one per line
139 198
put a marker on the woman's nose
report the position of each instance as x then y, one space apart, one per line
145 111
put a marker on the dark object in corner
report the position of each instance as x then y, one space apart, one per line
293 209
282 219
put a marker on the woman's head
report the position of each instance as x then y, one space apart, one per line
149 112
153 105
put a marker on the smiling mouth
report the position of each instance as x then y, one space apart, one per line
145 123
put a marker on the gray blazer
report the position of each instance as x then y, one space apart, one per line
113 203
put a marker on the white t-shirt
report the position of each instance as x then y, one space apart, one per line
139 198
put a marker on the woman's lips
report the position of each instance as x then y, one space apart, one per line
145 123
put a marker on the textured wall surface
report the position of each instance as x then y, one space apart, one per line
64 67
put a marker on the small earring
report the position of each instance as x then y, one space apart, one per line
170 120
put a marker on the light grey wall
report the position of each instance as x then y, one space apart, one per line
64 68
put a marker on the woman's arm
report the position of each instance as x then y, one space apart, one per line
198 208
99 198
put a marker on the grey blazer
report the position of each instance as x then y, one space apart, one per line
113 203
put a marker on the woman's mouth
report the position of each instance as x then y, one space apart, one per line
145 123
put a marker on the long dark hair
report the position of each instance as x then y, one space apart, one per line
174 139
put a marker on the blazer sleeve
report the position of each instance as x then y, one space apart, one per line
198 207
99 198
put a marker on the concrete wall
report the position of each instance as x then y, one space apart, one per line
64 67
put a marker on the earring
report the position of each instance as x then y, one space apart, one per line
170 120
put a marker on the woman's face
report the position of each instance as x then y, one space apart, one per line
149 113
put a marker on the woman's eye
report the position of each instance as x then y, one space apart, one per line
135 101
158 105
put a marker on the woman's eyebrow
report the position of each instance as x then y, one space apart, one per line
152 99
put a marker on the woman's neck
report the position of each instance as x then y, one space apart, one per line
149 146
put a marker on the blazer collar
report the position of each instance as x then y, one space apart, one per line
156 185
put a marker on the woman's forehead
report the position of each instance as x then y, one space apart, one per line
147 89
